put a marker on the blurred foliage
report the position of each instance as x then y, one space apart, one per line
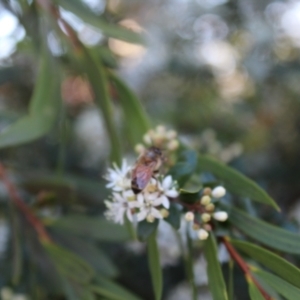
232 66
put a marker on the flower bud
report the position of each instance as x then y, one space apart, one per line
160 128
207 191
147 139
207 227
202 234
210 207
220 216
150 218
205 217
171 134
218 192
189 216
164 212
196 226
173 145
205 200
139 148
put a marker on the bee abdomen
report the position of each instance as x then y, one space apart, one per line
134 187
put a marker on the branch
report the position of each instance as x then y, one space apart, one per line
243 265
18 201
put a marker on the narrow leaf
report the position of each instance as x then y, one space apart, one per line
88 251
69 264
132 109
215 277
154 266
93 68
265 233
83 12
284 288
44 106
234 181
272 261
111 291
94 227
254 292
74 291
190 267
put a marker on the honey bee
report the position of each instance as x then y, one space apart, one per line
147 165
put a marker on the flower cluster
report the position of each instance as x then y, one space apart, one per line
202 212
150 204
161 138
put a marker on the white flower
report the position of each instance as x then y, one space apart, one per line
218 192
220 216
147 203
121 204
118 177
167 187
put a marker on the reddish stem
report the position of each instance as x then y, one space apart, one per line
18 201
52 9
243 265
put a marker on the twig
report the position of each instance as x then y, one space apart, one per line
243 265
18 201
50 8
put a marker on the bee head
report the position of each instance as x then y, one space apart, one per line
153 152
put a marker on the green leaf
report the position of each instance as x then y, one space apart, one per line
189 266
69 264
272 261
145 229
234 181
111 291
185 167
254 292
284 288
215 277
93 68
44 107
88 16
94 227
136 119
154 266
189 197
88 251
174 217
265 233
75 291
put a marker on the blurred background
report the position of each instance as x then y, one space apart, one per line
224 74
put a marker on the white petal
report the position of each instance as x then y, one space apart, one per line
166 184
128 194
140 198
151 196
165 201
118 197
172 193
155 213
142 215
129 215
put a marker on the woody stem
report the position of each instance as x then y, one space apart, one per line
18 201
243 265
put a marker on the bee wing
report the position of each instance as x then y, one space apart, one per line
142 175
